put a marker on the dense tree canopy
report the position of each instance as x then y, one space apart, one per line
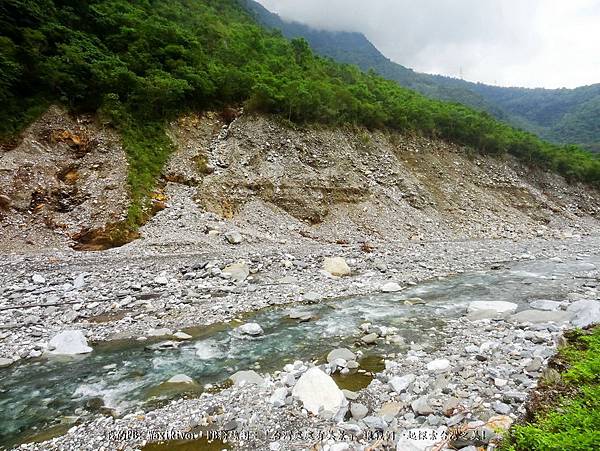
141 62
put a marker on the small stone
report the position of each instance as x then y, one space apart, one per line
449 406
439 365
421 406
358 411
161 280
501 408
233 237
238 272
500 382
182 336
278 397
401 384
535 365
391 287
38 280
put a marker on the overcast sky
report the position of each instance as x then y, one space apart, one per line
532 43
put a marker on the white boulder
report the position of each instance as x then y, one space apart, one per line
69 342
319 394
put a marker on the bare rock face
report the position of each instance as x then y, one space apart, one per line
65 175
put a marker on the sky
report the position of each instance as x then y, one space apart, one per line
529 43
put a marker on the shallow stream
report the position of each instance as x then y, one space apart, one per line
123 376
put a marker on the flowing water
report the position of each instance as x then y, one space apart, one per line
125 375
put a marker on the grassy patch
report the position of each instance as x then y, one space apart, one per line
569 416
148 147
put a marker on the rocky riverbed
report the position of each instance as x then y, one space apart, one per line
473 370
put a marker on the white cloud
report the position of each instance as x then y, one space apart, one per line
549 43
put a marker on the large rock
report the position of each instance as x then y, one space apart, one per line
340 353
541 316
336 266
69 342
586 312
247 378
238 272
496 306
252 329
319 394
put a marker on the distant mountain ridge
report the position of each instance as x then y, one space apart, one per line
558 115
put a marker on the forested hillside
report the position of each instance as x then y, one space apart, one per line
559 115
140 63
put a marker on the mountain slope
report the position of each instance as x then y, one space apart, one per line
140 64
559 115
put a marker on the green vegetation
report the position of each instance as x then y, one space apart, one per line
571 420
559 115
142 62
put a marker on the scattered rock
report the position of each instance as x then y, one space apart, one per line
439 365
358 411
278 397
233 237
38 280
180 379
336 266
252 329
238 272
586 312
542 304
159 332
370 339
182 336
247 378
401 384
496 306
391 287
421 406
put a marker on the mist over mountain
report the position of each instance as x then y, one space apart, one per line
559 115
